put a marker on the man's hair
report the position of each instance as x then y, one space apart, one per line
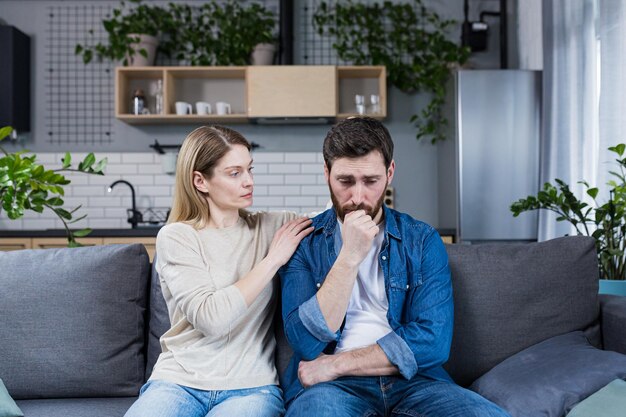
355 137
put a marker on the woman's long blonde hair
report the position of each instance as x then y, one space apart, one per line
201 151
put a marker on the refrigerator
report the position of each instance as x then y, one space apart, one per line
490 157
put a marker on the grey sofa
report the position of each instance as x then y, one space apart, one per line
79 328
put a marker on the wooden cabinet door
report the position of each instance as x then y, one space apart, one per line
14 243
148 242
61 242
291 91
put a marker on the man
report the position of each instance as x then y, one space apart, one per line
367 298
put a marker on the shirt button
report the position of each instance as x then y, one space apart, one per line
318 285
384 258
407 286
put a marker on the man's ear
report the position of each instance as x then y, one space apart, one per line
200 182
390 171
326 173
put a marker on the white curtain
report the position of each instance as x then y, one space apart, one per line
584 96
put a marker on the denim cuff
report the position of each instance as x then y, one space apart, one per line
399 353
314 321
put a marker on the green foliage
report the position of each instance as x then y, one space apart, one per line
141 19
220 33
210 34
27 185
605 222
412 45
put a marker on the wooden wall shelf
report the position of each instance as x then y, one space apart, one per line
253 92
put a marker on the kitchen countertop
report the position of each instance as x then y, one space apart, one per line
126 232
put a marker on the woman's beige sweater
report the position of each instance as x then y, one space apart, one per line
215 342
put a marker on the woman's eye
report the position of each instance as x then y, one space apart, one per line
234 173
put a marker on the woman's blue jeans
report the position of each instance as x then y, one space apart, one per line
165 399
390 396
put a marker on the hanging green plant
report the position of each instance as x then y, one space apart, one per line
28 185
408 39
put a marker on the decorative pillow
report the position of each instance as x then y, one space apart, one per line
8 408
610 401
72 321
549 378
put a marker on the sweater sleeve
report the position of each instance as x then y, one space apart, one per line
182 270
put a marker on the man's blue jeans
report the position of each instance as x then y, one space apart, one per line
391 396
164 399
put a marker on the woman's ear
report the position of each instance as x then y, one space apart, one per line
200 182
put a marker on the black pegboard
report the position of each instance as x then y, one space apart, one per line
79 97
318 50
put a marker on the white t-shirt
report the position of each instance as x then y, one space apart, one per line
366 318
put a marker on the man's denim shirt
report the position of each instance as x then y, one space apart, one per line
417 282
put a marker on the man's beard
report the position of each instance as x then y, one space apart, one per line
342 211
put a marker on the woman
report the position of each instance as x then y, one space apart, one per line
216 263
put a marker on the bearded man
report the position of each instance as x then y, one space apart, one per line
367 298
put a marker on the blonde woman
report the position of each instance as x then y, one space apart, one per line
216 264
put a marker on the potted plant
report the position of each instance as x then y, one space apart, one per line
27 185
220 33
408 39
606 222
132 35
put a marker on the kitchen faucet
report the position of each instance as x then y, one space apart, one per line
134 216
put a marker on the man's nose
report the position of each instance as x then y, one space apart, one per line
357 194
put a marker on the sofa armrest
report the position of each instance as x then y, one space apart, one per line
613 316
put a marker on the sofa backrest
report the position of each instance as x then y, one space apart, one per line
159 320
72 321
508 297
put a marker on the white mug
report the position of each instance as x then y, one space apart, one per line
202 107
183 107
222 107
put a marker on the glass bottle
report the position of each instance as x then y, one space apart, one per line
138 102
158 97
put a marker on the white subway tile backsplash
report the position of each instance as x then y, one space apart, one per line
120 169
103 202
260 190
284 169
138 158
291 181
269 179
284 190
300 179
154 190
300 157
268 157
300 201
321 190
312 168
269 201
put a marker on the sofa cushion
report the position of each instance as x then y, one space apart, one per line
610 401
549 378
508 297
73 321
159 320
8 408
77 407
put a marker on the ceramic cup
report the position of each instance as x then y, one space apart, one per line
222 107
202 107
183 108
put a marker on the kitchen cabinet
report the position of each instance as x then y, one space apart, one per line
253 92
39 242
292 91
15 243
